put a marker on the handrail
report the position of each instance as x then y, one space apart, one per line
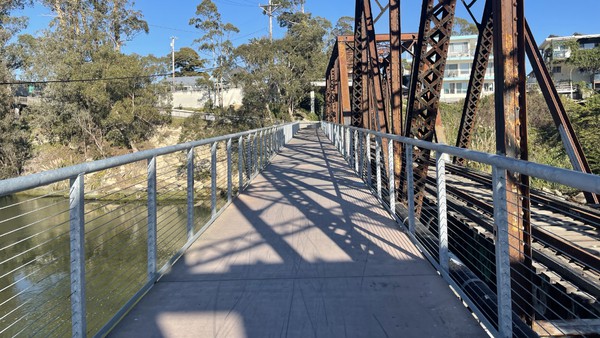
67 240
575 179
469 228
17 184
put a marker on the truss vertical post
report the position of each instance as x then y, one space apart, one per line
344 89
374 72
395 82
437 18
511 141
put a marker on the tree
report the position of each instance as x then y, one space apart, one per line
464 27
15 147
188 62
278 74
344 26
100 22
120 105
216 40
587 60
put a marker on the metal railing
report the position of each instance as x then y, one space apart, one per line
462 228
79 246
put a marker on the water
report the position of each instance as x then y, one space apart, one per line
35 264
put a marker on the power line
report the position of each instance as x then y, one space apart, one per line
13 83
174 29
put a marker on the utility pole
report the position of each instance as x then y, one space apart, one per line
173 38
302 6
270 10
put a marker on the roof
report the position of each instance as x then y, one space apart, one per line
186 80
553 38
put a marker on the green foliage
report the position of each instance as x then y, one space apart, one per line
188 63
83 43
585 59
277 74
227 121
215 40
344 26
464 27
15 147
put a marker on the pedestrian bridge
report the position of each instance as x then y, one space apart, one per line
293 230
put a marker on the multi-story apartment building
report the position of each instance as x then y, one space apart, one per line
566 76
461 52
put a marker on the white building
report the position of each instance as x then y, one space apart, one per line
461 52
188 94
566 76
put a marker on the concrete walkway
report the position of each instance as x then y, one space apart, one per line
305 251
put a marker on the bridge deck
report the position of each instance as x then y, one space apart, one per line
305 251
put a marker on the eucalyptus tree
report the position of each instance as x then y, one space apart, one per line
278 74
14 141
104 97
216 40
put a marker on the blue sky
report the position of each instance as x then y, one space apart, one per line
170 18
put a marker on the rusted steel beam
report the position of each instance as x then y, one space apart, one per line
511 141
336 88
329 85
344 88
476 81
558 112
359 104
431 51
395 84
374 78
406 37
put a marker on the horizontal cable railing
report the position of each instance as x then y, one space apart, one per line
79 246
543 280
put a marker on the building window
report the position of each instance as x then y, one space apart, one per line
465 69
588 45
455 88
446 88
451 70
490 69
459 48
556 69
488 87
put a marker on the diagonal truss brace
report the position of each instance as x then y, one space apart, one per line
437 18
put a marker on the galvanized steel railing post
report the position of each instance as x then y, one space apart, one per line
442 212
348 144
152 223
262 151
410 190
213 179
361 164
240 164
255 153
391 178
503 283
369 164
190 193
77 256
270 142
378 164
229 175
355 151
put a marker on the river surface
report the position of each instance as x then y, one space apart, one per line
35 264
